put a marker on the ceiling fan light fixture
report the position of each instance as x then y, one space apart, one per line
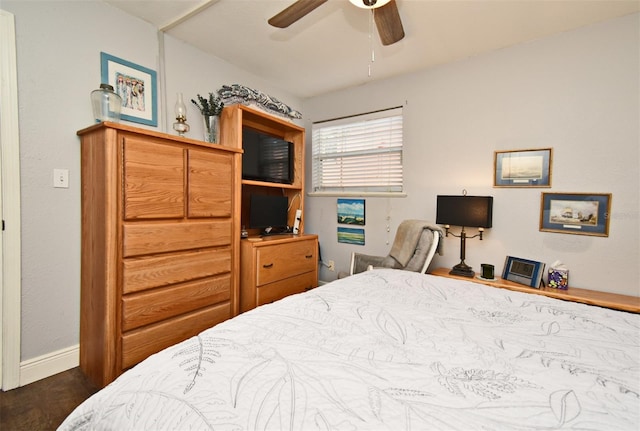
369 4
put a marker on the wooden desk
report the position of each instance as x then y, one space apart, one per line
593 297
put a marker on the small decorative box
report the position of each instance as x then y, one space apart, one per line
559 278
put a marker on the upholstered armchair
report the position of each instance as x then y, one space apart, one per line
414 246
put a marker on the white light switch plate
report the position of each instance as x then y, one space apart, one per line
61 178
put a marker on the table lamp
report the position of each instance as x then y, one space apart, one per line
464 211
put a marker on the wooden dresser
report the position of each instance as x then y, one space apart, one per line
275 267
160 243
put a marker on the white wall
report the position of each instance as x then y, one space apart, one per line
58 49
190 71
576 92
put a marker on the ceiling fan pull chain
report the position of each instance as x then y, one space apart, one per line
371 24
373 53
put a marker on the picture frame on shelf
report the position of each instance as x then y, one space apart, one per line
575 213
523 271
523 168
137 85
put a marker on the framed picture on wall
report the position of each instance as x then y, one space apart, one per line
351 211
349 235
522 168
575 213
136 85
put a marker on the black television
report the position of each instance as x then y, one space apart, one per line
266 158
268 213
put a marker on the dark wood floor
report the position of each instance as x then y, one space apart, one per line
44 404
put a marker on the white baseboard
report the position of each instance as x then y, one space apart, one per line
47 365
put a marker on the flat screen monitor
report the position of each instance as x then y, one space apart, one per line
268 212
266 158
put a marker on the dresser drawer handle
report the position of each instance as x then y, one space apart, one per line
268 265
309 256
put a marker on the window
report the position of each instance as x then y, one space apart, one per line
358 154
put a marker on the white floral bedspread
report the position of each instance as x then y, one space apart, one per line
389 350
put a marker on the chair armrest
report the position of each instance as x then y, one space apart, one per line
432 251
360 262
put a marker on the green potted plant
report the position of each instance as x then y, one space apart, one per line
210 109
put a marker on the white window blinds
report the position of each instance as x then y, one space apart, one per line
359 154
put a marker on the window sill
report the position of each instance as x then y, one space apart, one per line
359 194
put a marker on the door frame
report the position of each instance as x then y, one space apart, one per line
10 251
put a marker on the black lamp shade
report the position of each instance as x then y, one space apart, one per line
466 211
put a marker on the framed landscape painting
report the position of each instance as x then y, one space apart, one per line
522 168
351 211
349 235
575 213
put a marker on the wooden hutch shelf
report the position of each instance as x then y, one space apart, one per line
272 267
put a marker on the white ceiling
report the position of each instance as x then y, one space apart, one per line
330 48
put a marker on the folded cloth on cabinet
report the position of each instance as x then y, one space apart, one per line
407 237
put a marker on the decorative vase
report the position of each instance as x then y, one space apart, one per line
211 128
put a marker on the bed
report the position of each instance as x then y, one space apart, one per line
389 350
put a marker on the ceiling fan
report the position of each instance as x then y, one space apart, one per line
385 14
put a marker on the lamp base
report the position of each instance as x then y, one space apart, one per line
462 269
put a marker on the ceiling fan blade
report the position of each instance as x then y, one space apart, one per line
389 23
294 12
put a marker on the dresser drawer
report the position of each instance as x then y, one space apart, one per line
156 271
286 260
279 289
144 308
140 343
153 238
